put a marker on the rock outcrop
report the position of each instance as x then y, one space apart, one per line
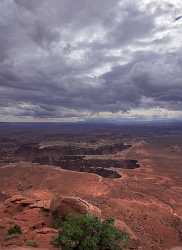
28 202
34 216
64 206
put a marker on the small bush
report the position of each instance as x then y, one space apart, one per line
31 243
86 232
15 230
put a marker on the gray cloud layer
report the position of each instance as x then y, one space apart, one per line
64 59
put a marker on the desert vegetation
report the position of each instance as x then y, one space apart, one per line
88 232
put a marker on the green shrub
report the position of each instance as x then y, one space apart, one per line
14 230
31 243
86 232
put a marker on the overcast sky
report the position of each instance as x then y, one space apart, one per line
69 60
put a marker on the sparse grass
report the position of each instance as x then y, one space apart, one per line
86 232
11 236
14 230
31 243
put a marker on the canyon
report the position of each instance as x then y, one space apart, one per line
145 196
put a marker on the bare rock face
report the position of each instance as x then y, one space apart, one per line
63 206
44 204
31 217
123 227
19 200
28 202
46 230
3 196
23 248
176 248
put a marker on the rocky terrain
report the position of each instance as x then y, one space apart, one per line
144 200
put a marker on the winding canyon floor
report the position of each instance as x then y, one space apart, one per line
148 199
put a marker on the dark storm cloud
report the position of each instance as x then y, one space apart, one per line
63 59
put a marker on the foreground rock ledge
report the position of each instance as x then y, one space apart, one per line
63 206
35 218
